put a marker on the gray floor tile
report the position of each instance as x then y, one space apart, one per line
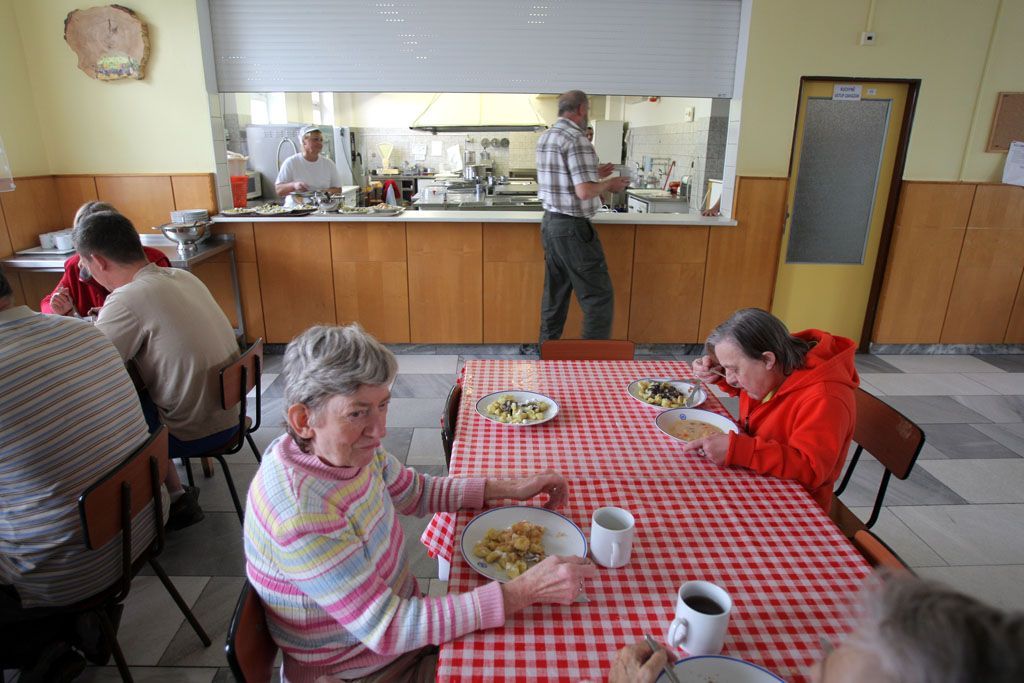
965 442
145 674
214 495
870 388
213 547
1009 363
151 618
930 452
426 448
938 363
933 409
263 437
1005 383
423 386
272 412
865 362
273 362
397 442
413 349
213 609
995 408
415 412
272 385
920 488
900 538
981 481
998 586
1009 435
430 365
969 534
929 384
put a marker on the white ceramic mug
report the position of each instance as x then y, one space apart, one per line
62 240
46 241
611 536
702 617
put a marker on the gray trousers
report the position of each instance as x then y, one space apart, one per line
574 261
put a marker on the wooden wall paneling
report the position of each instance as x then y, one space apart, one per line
1015 328
445 282
72 192
197 191
147 201
30 210
998 206
668 284
742 260
295 277
617 241
927 239
513 282
371 278
37 285
5 236
248 275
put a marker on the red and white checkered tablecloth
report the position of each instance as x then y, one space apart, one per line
789 570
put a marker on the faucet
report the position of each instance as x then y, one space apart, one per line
277 157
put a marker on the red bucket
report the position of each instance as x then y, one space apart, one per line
239 188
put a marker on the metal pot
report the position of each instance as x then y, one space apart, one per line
474 172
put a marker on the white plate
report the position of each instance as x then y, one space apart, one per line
683 386
561 536
669 417
705 668
43 251
520 397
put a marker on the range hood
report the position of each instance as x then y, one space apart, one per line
474 112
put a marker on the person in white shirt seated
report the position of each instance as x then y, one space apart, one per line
308 170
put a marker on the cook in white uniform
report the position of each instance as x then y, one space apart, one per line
308 171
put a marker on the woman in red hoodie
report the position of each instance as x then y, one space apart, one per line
797 402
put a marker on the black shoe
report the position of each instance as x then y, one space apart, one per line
194 490
528 350
58 663
90 640
185 512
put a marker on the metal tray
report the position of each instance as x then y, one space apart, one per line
40 251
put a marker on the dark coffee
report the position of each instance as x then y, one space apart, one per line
703 604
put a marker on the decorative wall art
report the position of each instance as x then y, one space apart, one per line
111 42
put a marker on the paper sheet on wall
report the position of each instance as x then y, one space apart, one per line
419 151
1013 171
454 158
436 148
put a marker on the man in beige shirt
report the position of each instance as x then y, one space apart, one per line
165 321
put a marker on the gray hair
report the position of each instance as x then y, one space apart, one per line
924 632
571 101
89 208
333 360
757 331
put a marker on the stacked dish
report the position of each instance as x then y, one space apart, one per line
190 216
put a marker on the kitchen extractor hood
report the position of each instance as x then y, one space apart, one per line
473 112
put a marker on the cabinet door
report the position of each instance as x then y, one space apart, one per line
371 279
445 283
513 282
295 277
617 241
668 284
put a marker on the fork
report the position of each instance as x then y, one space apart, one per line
668 669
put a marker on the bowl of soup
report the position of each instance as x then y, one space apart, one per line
689 424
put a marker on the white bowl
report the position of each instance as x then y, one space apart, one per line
668 418
520 397
704 668
682 385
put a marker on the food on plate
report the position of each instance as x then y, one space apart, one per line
506 409
237 211
691 430
353 209
661 394
271 210
384 207
514 550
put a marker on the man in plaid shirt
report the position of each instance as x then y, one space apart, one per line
570 186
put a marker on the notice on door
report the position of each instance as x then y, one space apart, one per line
845 91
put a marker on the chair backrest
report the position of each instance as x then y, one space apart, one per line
886 434
249 648
877 553
242 376
587 349
449 419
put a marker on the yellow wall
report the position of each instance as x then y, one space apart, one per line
19 126
160 124
942 42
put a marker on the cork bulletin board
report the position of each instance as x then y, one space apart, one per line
1007 122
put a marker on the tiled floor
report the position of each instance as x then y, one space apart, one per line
959 517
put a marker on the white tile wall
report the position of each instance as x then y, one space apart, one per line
698 148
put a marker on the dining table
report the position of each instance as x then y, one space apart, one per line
792 575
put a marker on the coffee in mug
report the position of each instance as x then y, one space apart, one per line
702 617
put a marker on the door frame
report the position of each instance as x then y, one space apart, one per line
893 196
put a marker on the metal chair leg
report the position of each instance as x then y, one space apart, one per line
231 487
252 445
180 602
115 647
188 472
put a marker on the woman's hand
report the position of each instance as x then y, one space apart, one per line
704 368
550 482
637 664
714 448
60 301
556 579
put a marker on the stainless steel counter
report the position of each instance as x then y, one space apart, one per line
492 216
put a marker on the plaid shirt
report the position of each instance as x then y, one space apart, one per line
565 158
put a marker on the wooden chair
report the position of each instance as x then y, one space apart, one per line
893 440
877 553
587 349
108 509
448 420
249 648
236 381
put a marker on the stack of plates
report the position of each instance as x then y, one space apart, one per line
190 216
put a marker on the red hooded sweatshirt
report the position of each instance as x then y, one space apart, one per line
804 431
87 294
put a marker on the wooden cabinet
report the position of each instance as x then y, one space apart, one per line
445 283
248 279
668 284
927 239
513 282
295 277
371 278
617 241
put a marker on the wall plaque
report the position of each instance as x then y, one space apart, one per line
111 42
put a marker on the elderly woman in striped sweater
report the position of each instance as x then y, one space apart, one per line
323 543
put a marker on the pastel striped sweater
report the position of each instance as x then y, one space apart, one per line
324 550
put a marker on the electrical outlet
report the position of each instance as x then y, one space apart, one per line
867 38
